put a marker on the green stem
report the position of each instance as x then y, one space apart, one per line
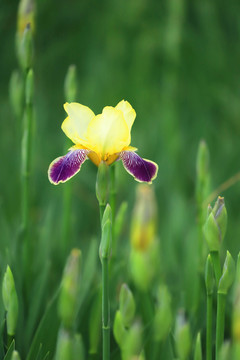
216 265
105 310
209 327
221 303
113 191
26 153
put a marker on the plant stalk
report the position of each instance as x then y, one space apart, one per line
216 265
105 310
209 327
221 303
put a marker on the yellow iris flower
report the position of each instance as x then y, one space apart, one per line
104 137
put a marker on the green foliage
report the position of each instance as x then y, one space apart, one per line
177 63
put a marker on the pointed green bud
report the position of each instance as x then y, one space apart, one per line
15 355
78 348
26 13
227 275
25 48
144 218
119 331
67 306
70 84
141 269
106 239
163 315
198 348
10 301
126 305
29 87
209 276
16 92
216 224
225 352
182 337
102 183
64 349
133 342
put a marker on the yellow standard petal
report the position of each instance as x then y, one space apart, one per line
108 133
128 112
76 124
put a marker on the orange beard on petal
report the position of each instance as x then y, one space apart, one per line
94 158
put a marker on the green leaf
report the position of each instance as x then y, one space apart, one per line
47 330
10 351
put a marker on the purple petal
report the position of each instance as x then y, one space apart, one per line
64 167
142 170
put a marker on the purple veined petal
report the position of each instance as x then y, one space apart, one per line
65 167
143 170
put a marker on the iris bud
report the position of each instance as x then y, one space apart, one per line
102 183
198 348
67 306
216 224
10 301
26 13
133 342
227 276
144 219
183 337
209 276
70 84
15 355
119 331
64 346
25 48
163 314
127 305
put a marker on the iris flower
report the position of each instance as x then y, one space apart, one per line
104 137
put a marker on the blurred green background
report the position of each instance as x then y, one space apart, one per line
176 62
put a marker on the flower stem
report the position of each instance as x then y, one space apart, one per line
216 265
221 303
113 192
101 209
209 327
105 310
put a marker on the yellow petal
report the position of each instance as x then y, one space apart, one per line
75 125
128 112
108 133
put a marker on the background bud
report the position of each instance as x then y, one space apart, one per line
228 275
64 346
163 314
144 219
67 305
215 225
119 330
182 337
127 305
10 301
16 92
